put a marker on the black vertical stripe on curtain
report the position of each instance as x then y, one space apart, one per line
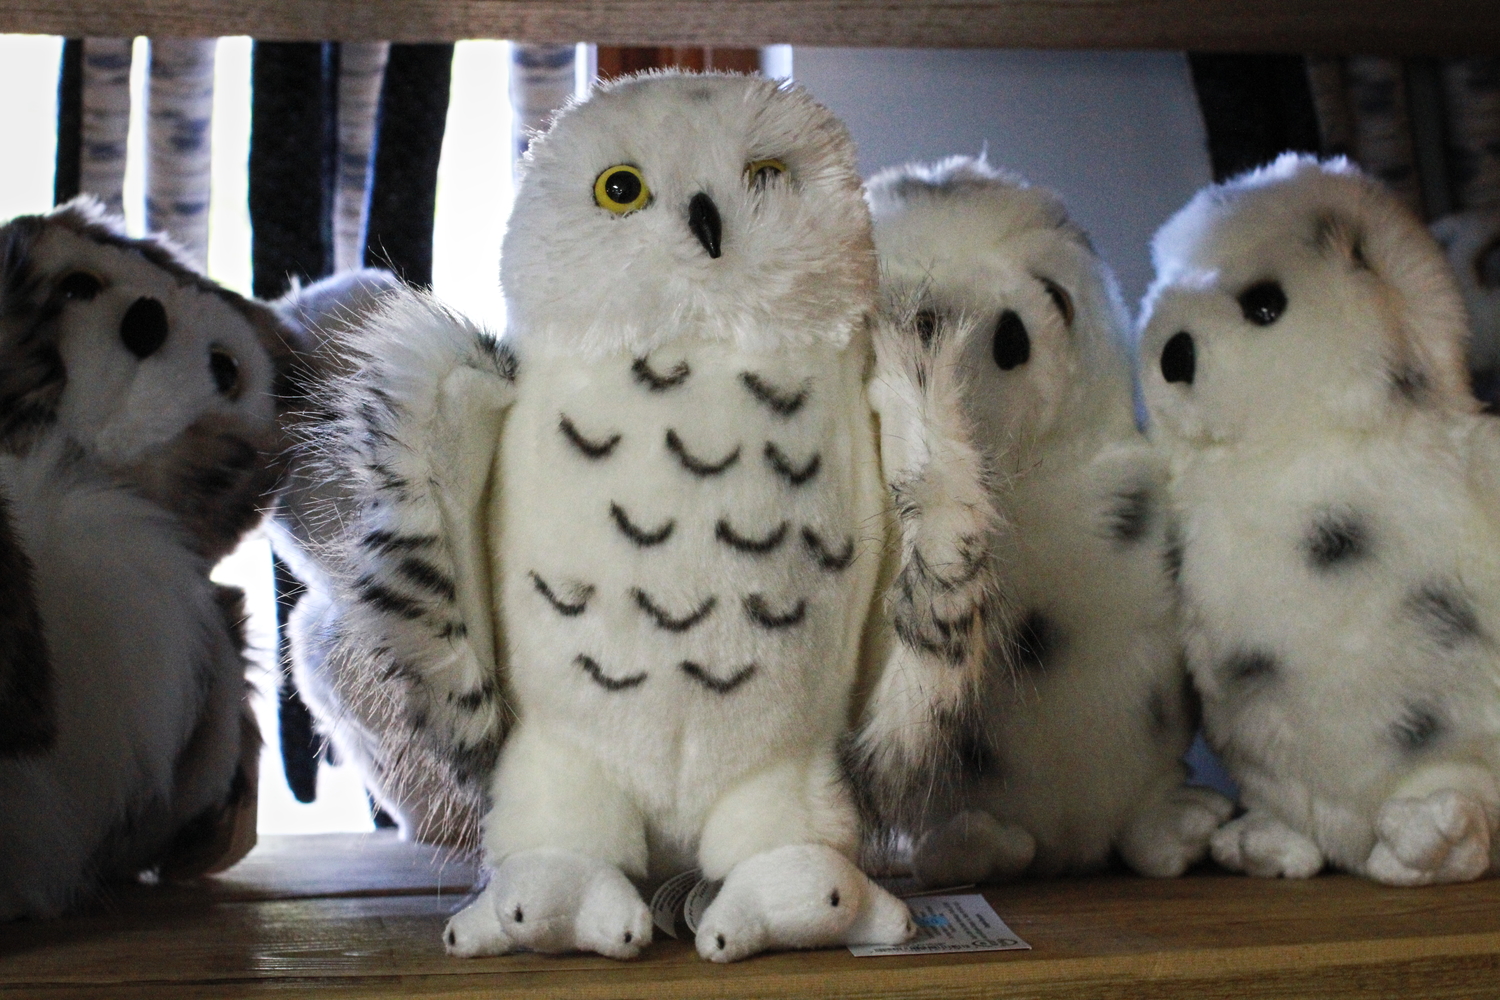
293 147
300 742
293 152
1254 108
408 142
1424 99
69 122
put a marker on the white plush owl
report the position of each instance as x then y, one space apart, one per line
138 440
1335 496
1472 242
1088 710
629 563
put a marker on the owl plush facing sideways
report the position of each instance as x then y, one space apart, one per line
1087 711
1303 360
629 563
138 435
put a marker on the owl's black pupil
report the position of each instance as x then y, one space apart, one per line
1012 344
623 187
80 286
1263 303
1179 358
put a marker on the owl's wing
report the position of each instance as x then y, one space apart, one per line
412 445
921 731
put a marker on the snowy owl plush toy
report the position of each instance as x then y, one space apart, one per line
1303 361
629 562
138 429
1088 712
1472 241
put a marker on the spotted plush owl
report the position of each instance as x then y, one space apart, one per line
1087 712
631 562
138 440
1334 494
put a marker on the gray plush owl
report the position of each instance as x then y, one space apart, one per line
1088 710
631 563
138 439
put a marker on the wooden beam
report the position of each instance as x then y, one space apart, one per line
1431 27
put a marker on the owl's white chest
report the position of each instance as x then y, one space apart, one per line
687 548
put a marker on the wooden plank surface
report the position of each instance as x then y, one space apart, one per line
1436 27
361 917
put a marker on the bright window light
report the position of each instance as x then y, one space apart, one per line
28 65
229 204
474 188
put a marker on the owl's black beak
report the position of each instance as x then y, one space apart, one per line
703 220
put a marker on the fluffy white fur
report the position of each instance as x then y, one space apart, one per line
355 702
1472 242
139 410
142 662
645 551
1085 714
1335 496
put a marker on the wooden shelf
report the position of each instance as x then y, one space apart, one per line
1436 27
360 916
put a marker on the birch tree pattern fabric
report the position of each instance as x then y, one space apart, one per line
361 70
178 141
106 120
542 79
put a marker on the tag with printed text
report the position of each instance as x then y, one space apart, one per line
950 924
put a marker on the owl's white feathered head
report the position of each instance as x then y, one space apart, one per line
676 205
1293 299
969 249
119 342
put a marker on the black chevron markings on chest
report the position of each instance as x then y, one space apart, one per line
759 612
779 401
581 593
590 666
782 465
754 546
638 535
714 684
695 465
667 621
592 449
821 554
647 376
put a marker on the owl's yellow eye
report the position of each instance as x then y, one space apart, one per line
621 189
759 173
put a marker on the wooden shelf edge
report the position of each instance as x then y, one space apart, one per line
1432 27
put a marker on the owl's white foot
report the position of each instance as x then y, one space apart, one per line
1261 845
1167 836
1443 837
799 896
973 846
476 930
552 900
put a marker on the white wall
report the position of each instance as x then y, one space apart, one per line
1117 134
